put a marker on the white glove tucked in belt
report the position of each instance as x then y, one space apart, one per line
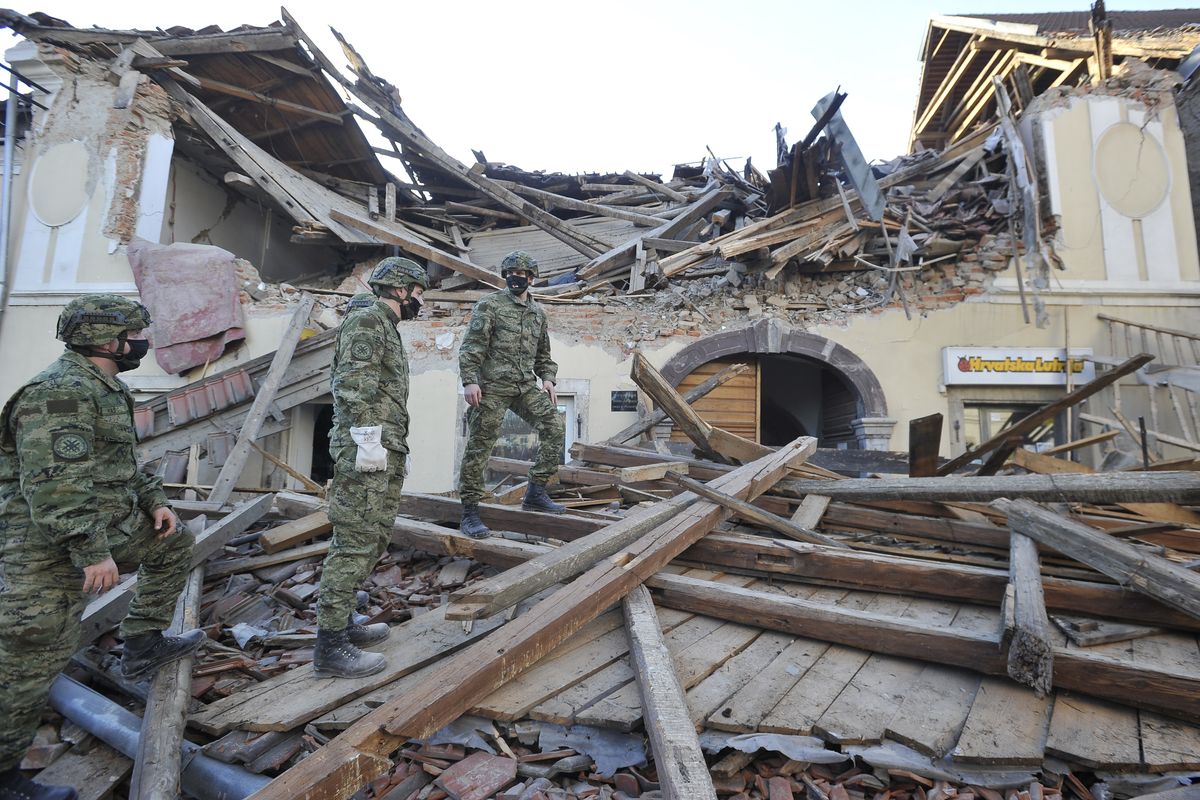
372 455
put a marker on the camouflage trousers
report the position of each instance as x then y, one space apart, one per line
532 405
362 508
41 606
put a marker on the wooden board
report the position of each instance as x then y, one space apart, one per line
293 532
734 406
1093 733
1006 726
1168 744
862 711
94 774
934 708
706 697
745 709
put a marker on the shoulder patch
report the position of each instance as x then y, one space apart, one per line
361 349
62 406
70 447
476 324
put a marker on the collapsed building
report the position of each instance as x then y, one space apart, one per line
1039 237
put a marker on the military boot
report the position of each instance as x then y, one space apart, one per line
15 786
149 651
471 524
536 499
363 635
336 657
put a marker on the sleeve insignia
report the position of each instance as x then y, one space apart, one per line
362 350
70 447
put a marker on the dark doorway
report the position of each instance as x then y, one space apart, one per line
322 463
803 397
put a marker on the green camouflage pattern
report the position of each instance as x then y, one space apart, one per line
70 496
532 405
519 259
398 272
369 381
507 344
100 318
67 460
369 378
362 508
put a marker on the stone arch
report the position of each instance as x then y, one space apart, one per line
770 336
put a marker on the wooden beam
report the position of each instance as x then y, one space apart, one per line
110 608
226 480
924 442
679 761
752 513
360 754
559 201
1079 444
159 753
656 187
1048 411
257 97
658 416
1025 631
1168 688
394 233
1048 465
1162 438
707 437
1150 574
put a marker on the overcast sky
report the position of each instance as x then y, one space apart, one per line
616 84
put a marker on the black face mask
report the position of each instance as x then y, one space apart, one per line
136 350
518 283
409 308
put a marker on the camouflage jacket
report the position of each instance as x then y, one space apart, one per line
67 461
370 377
506 344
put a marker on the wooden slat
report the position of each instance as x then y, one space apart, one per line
1167 743
1093 733
293 532
1007 726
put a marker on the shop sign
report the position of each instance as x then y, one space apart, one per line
1016 366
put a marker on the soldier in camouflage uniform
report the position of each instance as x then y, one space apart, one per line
74 503
369 444
504 363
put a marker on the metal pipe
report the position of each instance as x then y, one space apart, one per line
10 136
203 777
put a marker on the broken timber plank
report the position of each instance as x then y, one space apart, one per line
682 771
924 441
706 437
94 773
360 754
294 532
1094 733
107 610
1035 418
754 514
1163 688
159 752
1150 574
1026 629
223 486
1101 487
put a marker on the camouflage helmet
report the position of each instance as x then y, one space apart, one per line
360 300
99 318
519 259
398 272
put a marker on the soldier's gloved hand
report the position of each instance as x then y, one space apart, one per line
372 455
100 577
